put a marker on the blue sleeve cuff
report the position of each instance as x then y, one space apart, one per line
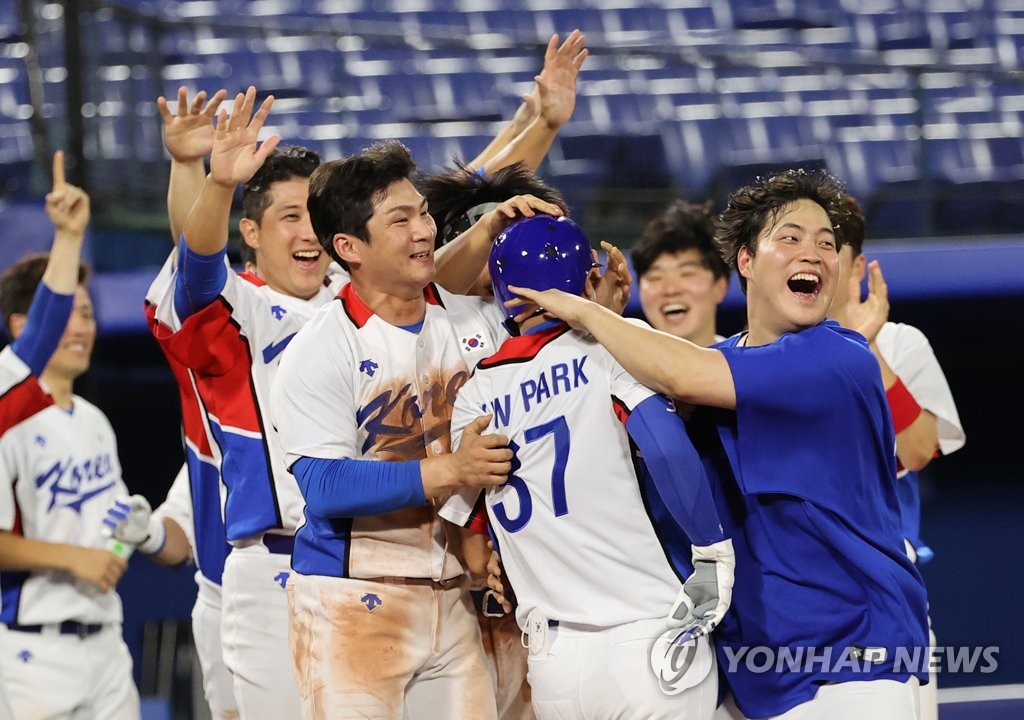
47 318
347 488
676 469
199 280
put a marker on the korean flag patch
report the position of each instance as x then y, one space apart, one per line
473 343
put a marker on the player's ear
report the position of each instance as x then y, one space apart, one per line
250 231
744 258
15 324
721 287
348 248
860 267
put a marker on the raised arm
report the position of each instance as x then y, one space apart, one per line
459 262
188 137
663 362
68 209
556 96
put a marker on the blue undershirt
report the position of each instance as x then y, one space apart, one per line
199 280
347 488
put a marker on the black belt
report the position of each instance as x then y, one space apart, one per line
279 544
68 627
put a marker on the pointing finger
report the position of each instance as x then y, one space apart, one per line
58 170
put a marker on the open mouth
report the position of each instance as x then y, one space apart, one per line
421 256
307 258
805 283
675 311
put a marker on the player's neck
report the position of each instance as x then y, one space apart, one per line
60 387
399 309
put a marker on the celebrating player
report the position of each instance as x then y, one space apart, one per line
924 413
681 277
805 452
592 576
380 621
60 643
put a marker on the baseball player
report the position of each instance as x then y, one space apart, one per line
23 361
803 444
593 576
61 648
924 413
680 275
379 614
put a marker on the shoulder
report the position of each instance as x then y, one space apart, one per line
897 336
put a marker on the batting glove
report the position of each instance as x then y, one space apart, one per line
707 593
130 520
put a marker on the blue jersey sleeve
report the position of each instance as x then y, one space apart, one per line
47 317
676 469
347 488
199 280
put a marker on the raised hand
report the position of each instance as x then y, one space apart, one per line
612 288
514 208
867 316
556 84
236 155
66 205
556 303
189 132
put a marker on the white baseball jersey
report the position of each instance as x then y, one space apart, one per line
21 397
910 355
232 348
59 472
575 538
177 506
354 386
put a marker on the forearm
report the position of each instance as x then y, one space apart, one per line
176 548
22 554
667 364
528 147
206 229
183 189
917 431
199 280
357 488
61 274
47 317
459 262
676 470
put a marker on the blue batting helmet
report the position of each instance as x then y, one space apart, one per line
541 253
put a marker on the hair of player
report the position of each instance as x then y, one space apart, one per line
452 193
852 224
19 282
283 163
681 226
343 193
754 207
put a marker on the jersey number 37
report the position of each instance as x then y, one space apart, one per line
559 432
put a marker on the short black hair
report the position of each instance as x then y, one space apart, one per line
453 193
681 226
752 207
283 163
852 224
19 282
342 193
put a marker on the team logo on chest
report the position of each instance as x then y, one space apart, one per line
72 484
368 366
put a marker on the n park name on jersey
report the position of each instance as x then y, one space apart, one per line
558 379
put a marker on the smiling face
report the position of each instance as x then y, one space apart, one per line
71 359
288 256
680 295
398 260
792 277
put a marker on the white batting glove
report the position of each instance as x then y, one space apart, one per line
130 520
707 593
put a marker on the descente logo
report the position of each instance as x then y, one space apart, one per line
760 659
